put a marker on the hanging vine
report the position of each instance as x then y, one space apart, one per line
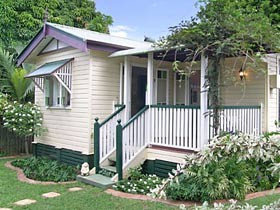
223 29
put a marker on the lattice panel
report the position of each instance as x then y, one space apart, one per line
39 82
65 74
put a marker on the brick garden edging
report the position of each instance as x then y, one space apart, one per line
21 176
186 203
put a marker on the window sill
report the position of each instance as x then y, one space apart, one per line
58 108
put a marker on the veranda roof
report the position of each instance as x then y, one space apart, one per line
48 68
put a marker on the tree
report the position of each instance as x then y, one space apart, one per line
21 19
226 28
13 81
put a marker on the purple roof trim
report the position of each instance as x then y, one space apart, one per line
105 47
30 47
66 38
55 33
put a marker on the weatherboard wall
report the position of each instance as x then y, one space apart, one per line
68 128
248 91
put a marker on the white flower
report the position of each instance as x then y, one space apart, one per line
20 120
14 129
145 182
182 207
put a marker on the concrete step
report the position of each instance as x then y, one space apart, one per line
96 180
110 168
113 159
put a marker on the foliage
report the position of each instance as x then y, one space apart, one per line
13 81
23 119
230 167
138 183
45 169
107 173
222 29
3 103
233 206
21 19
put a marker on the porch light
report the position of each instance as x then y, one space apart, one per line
241 73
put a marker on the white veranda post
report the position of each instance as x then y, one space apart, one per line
149 100
127 88
204 125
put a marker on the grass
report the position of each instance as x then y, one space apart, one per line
12 190
259 202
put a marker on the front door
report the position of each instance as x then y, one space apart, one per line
138 89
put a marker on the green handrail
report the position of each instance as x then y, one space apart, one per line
112 115
176 106
136 116
241 107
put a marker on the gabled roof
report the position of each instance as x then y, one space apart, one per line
100 37
78 38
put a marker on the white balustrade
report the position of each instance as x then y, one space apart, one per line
107 134
135 136
175 126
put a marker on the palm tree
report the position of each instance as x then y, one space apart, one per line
12 78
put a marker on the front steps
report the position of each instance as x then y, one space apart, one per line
102 180
97 180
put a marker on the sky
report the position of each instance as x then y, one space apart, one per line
135 19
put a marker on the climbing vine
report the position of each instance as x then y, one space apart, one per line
220 30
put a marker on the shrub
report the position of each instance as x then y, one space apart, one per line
23 119
230 167
137 182
45 169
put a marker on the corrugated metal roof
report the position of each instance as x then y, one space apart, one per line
48 68
100 37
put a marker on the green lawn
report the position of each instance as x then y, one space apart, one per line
12 190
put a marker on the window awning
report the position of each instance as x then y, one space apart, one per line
61 70
48 68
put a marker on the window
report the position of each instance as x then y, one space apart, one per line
162 89
180 89
55 81
56 95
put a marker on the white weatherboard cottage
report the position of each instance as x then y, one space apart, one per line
83 75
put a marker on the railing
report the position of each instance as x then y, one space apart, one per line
245 119
175 126
105 137
132 138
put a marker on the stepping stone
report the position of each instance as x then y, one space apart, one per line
5 209
50 195
73 189
25 202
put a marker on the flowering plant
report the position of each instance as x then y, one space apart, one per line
23 119
138 183
229 167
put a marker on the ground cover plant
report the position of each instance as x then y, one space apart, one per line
230 167
137 182
45 169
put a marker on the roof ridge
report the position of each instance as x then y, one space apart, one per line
94 32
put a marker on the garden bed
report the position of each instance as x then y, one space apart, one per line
42 170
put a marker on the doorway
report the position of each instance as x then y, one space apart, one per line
138 89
